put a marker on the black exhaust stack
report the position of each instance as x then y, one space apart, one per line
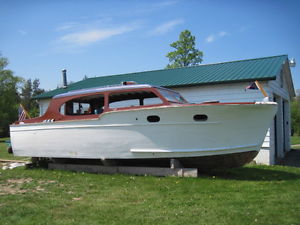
64 74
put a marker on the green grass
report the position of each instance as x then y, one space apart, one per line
4 154
295 140
248 195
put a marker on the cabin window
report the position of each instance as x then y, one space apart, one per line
172 96
133 99
87 105
152 101
125 103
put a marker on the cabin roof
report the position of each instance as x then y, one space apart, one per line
266 68
104 89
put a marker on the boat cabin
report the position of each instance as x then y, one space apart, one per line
90 103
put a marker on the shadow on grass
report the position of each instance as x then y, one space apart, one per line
254 174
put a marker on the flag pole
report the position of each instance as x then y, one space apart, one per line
27 114
260 87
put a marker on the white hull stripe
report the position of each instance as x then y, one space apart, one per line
192 150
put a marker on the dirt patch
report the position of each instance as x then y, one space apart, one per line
46 181
11 190
18 186
14 186
20 181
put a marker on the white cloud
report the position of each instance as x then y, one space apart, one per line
210 38
214 37
86 37
83 23
75 36
223 33
166 27
66 26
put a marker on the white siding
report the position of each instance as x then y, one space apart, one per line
280 89
43 104
221 92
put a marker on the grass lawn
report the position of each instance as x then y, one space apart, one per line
249 195
295 140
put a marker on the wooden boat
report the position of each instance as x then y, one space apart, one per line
140 124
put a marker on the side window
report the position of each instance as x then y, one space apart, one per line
87 105
152 101
125 103
133 99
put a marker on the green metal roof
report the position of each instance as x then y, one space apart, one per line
227 72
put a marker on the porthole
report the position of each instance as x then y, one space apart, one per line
153 119
200 117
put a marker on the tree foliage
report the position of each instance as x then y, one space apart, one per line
295 111
9 99
185 53
29 90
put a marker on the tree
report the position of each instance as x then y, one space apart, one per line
29 90
10 99
36 90
26 94
295 115
185 54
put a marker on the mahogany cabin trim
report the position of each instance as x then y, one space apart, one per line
53 112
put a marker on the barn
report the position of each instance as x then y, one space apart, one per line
224 82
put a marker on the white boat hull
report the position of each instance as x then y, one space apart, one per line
229 129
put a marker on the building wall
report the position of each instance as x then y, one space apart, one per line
235 92
281 132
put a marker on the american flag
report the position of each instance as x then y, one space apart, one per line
257 86
22 113
252 86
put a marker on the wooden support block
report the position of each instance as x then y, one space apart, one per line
151 171
175 163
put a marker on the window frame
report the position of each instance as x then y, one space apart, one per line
80 116
152 90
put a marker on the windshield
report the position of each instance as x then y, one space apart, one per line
172 96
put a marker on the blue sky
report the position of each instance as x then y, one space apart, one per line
97 38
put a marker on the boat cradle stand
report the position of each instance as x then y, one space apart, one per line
174 170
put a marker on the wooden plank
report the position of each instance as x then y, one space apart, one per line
12 160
